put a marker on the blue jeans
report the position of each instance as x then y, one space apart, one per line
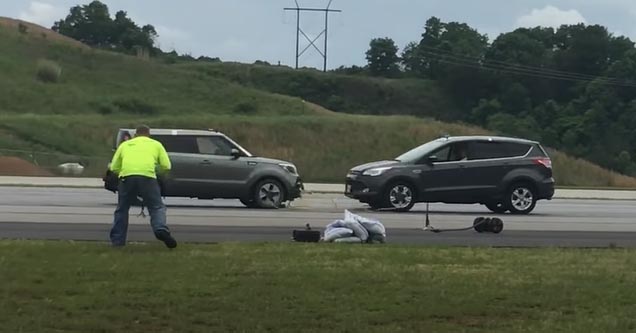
128 190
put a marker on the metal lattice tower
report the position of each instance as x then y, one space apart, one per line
312 42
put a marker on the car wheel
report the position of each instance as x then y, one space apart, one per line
400 196
521 198
496 207
269 193
249 203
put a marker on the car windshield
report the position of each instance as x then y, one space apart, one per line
417 153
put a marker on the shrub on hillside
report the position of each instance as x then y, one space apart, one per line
48 71
22 28
134 105
246 108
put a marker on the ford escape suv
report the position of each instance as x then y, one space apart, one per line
505 174
207 164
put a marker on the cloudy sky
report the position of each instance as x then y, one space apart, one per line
247 30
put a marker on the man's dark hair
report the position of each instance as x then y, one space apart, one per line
142 130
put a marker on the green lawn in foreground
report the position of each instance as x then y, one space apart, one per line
89 287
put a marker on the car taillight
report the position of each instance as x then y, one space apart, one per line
546 162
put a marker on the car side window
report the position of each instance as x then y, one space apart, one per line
516 149
481 150
214 145
442 154
178 143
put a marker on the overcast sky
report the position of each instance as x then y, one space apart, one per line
249 30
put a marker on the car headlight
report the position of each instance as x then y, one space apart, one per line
375 171
289 167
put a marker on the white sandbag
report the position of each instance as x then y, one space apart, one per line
376 238
374 227
336 224
335 233
371 225
358 229
348 240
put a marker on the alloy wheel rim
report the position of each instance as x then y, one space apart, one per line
521 198
270 194
400 196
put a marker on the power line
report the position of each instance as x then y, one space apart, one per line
312 42
515 66
538 72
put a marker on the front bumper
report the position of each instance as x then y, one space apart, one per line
362 188
296 190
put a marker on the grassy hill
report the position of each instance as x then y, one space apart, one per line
97 92
341 93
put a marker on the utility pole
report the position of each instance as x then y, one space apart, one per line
299 31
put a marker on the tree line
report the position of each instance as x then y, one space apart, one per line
573 88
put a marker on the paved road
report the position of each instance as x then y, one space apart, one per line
67 213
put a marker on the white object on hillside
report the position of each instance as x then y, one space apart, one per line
73 169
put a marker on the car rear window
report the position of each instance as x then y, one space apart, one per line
479 150
516 149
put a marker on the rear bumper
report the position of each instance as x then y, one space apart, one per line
545 189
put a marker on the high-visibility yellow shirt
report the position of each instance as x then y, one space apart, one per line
140 157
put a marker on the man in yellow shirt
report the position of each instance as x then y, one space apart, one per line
135 162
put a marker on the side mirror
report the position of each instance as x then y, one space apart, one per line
431 159
235 153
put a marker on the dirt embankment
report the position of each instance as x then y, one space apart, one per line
14 166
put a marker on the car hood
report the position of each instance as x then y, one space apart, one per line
265 160
378 164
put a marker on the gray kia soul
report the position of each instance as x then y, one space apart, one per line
210 165
505 174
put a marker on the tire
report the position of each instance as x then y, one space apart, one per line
521 198
478 224
249 203
497 225
375 205
497 207
400 196
269 193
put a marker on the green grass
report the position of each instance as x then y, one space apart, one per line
88 287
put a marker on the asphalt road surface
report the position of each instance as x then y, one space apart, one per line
86 214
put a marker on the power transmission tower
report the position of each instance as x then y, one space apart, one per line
299 31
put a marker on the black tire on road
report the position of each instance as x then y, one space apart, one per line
497 225
521 198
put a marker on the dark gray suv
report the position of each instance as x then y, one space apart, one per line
505 174
210 165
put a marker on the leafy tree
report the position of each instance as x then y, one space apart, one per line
92 24
382 57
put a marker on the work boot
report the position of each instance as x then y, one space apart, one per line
166 238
